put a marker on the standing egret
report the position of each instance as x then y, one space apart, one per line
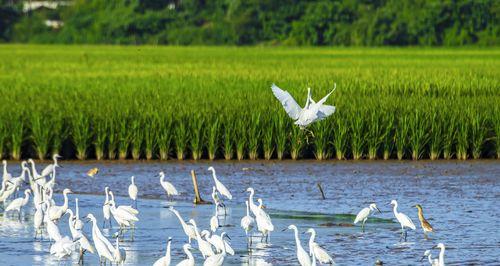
188 229
203 245
49 169
84 247
190 259
404 220
62 247
247 221
122 217
316 251
264 223
214 221
364 214
18 203
165 260
217 259
105 209
34 172
104 248
311 112
426 226
52 229
218 242
167 186
217 200
119 254
78 223
132 191
38 219
302 255
428 255
20 180
6 175
441 254
56 212
7 190
75 234
219 186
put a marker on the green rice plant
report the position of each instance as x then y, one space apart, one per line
228 139
254 136
41 134
450 124
125 132
297 142
268 140
478 132
165 135
340 137
16 138
241 139
375 135
496 127
60 133
196 137
388 134
418 134
137 133
100 137
81 133
3 139
322 138
281 137
213 139
435 135
401 136
150 137
462 138
181 139
113 138
358 135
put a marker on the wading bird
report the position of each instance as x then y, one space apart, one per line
219 186
426 226
247 222
312 111
49 169
264 223
165 260
203 246
190 259
218 242
217 259
105 209
316 251
119 255
441 254
364 214
403 219
167 186
93 172
56 212
78 223
217 200
188 229
302 255
132 191
428 255
214 221
104 248
6 175
18 203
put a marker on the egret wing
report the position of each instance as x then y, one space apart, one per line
291 107
325 111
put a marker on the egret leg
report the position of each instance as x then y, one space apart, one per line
363 226
406 232
135 202
103 223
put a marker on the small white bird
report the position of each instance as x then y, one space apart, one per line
84 247
441 254
6 175
203 246
218 242
262 219
52 229
104 248
217 200
403 219
428 255
316 251
38 219
105 209
302 255
132 191
167 186
214 221
247 221
364 214
62 247
311 112
75 234
56 212
49 169
217 259
219 186
190 259
188 229
78 223
18 203
165 260
119 254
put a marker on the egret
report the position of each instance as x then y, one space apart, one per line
56 212
38 218
214 221
247 221
7 190
18 203
52 181
364 214
311 112
75 234
302 255
52 229
132 191
165 260
104 248
204 247
264 224
119 254
426 226
428 255
190 259
34 173
316 251
18 181
122 217
49 169
105 209
218 242
188 229
6 175
167 186
441 254
78 223
219 186
217 259
404 220
62 247
218 201
84 247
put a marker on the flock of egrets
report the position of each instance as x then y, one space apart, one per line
212 243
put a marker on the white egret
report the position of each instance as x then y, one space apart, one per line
78 223
428 255
132 191
52 229
18 203
188 229
441 254
122 217
264 223
75 234
217 259
190 259
218 242
219 186
217 200
49 169
104 248
403 219
119 254
247 221
126 208
364 214
19 180
38 218
204 247
62 247
316 251
56 212
165 260
214 221
311 112
167 186
85 246
302 255
105 209
8 190
6 175
34 172
52 181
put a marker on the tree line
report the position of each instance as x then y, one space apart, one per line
252 22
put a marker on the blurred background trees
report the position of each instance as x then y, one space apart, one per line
250 22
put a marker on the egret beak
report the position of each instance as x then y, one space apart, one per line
423 257
378 210
435 247
284 230
228 236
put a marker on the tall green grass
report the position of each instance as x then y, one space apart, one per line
215 103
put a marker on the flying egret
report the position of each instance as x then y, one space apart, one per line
428 255
56 212
119 254
426 226
18 203
214 221
132 191
49 169
190 259
217 259
167 186
165 260
364 214
104 248
312 111
78 223
316 251
188 229
264 223
441 254
105 209
302 255
219 186
6 175
203 245
247 221
404 220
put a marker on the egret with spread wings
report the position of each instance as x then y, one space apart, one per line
312 111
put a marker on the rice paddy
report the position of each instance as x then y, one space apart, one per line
116 102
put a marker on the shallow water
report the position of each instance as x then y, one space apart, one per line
459 199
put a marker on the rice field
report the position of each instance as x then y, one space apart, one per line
140 102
